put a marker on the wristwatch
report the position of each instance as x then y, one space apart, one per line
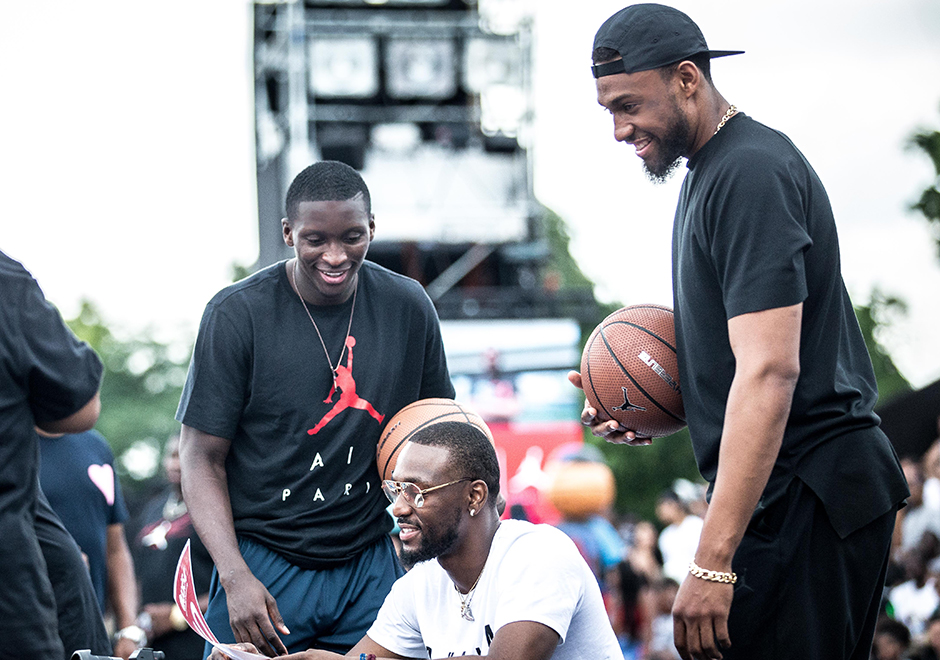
134 633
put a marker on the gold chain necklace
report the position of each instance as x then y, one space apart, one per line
465 611
323 343
728 115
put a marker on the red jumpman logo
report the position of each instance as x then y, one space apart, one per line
348 398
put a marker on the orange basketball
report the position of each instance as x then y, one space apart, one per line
414 417
630 373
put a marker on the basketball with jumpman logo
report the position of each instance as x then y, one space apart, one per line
414 417
630 373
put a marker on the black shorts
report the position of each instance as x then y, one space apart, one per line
803 592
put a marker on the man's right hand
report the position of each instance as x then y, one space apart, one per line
602 426
253 614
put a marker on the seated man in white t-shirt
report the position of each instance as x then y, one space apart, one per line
479 587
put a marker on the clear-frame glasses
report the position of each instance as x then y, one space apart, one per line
412 494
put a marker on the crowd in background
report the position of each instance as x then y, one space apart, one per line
910 624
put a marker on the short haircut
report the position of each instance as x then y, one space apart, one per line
471 453
326 181
701 60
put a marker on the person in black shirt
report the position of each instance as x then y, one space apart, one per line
295 370
776 381
48 379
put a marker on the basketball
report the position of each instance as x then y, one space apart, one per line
630 373
414 417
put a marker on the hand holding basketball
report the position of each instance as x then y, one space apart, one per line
609 429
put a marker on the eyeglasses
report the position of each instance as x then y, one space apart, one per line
412 494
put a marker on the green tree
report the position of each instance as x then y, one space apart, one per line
929 203
142 383
874 319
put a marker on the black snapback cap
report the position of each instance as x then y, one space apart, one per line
649 36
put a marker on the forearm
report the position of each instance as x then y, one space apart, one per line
122 585
755 419
205 489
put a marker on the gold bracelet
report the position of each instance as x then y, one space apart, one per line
712 576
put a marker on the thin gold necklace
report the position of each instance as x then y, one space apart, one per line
465 610
728 115
323 343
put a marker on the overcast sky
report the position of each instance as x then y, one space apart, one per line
128 165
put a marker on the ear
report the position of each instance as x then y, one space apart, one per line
689 78
479 494
288 233
371 227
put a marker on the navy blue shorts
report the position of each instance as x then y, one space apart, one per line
328 609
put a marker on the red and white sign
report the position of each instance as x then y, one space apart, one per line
184 593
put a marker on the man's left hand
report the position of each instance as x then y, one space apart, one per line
700 618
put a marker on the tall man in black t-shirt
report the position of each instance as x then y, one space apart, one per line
48 379
777 384
280 425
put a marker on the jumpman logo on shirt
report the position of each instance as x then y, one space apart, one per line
348 398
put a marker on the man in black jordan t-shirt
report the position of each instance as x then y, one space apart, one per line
280 424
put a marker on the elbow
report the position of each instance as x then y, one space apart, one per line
778 375
782 374
787 374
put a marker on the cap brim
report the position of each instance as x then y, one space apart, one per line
617 66
723 53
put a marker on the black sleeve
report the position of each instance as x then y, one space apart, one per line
758 235
63 372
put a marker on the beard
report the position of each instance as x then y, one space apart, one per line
433 544
672 146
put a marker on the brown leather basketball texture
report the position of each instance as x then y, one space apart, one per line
414 417
630 373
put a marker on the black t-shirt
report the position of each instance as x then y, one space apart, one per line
46 374
259 377
754 230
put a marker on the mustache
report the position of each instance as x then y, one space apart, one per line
409 521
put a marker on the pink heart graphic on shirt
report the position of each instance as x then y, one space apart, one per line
103 477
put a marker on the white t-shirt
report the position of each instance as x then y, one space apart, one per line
533 573
678 544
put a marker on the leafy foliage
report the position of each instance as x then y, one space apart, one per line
142 383
643 473
929 202
873 319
